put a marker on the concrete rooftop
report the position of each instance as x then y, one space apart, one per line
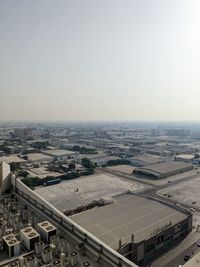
129 214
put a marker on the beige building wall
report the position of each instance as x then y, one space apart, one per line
4 176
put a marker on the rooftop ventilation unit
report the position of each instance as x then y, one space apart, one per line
39 247
46 230
74 258
21 261
31 261
8 232
64 248
14 264
86 264
56 263
29 237
54 239
9 237
62 258
52 247
11 245
46 256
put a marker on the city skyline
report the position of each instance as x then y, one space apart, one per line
100 60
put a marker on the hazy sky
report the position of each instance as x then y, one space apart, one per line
100 59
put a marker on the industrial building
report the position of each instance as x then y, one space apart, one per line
23 132
12 158
143 160
33 233
162 170
59 154
27 241
137 227
39 158
186 158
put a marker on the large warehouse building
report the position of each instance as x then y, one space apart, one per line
137 227
144 160
162 170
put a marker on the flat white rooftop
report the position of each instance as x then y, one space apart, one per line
39 157
65 196
128 214
58 152
11 158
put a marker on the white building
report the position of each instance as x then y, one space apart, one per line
60 154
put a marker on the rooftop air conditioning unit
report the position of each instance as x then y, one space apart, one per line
86 264
14 264
46 230
56 263
64 248
62 258
31 261
21 261
53 250
39 247
11 245
8 232
54 239
74 258
29 237
46 255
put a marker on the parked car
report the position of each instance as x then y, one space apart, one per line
186 258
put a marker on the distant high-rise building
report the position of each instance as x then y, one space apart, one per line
178 132
23 132
195 133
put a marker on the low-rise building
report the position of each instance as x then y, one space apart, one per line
60 154
39 158
12 158
137 227
99 161
162 170
185 157
144 160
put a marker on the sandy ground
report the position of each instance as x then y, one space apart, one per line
126 169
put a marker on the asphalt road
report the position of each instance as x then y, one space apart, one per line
152 189
179 260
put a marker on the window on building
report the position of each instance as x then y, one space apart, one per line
160 239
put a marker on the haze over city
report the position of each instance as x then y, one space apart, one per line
100 60
99 133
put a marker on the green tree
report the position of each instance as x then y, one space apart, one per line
23 173
87 163
72 166
14 166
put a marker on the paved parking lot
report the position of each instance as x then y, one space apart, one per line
186 192
79 192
